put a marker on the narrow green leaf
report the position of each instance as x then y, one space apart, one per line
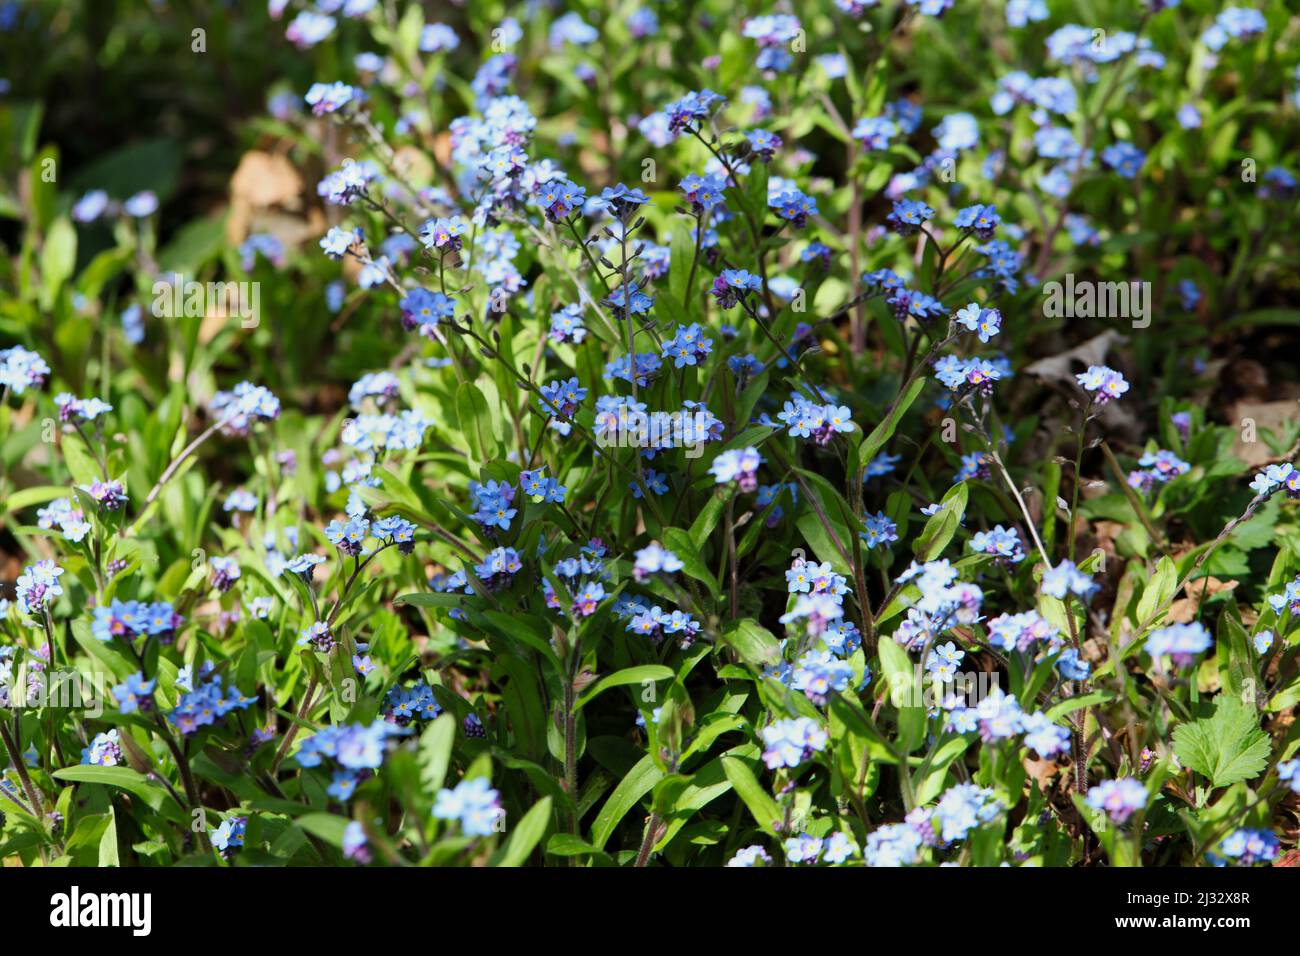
639 781
679 543
430 599
762 807
58 259
526 834
108 842
475 420
435 751
122 778
885 430
629 675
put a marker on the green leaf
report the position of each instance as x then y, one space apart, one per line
679 268
929 785
705 522
435 751
1264 317
102 269
822 544
706 785
885 430
629 675
1284 699
942 525
58 259
756 189
1071 704
79 460
328 826
123 778
517 628
901 676
32 496
638 782
764 809
475 420
1236 665
195 245
1228 747
526 834
408 30
108 842
153 164
103 651
1158 592
430 599
566 844
679 543
756 645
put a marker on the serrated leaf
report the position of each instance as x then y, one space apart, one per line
1227 748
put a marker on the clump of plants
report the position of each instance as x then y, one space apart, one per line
653 444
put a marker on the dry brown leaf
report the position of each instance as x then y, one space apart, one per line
264 179
228 305
261 181
1061 368
1275 416
594 162
1106 532
1095 650
1041 771
1184 609
442 149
